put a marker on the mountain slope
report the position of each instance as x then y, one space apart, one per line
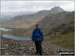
25 21
62 35
53 20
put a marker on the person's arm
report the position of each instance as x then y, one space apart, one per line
33 36
42 35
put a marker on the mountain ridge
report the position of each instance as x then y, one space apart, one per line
53 20
29 20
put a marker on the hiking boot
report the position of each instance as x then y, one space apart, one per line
40 54
36 53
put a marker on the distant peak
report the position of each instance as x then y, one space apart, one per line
57 9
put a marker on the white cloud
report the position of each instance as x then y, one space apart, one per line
16 6
69 7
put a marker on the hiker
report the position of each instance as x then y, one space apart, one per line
37 38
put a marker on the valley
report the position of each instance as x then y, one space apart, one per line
57 25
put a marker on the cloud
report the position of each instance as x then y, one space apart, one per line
16 6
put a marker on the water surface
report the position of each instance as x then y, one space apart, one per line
12 36
16 37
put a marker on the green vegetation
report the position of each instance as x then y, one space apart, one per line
62 29
16 32
66 40
63 35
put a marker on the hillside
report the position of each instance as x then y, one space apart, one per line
58 29
25 47
25 21
48 23
62 35
53 20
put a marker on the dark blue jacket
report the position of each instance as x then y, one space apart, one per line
37 35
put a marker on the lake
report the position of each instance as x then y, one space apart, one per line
12 36
5 29
16 37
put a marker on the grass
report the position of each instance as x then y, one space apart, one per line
66 41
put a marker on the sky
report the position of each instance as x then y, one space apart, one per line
34 6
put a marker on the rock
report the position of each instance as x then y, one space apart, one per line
6 45
16 47
31 48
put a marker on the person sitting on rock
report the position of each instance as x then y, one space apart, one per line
37 38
